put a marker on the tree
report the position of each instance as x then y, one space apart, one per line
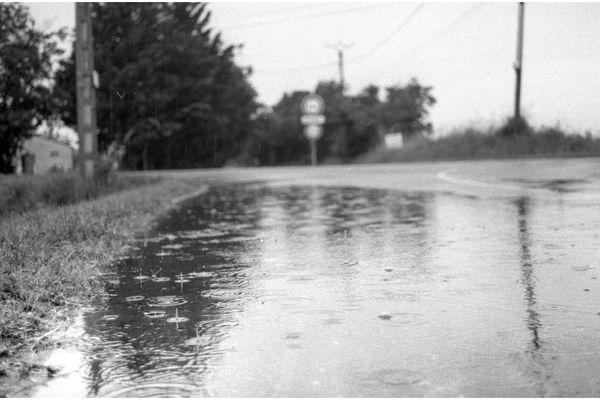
367 116
406 109
170 91
278 138
515 126
354 124
25 67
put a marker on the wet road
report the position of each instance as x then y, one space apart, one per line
442 279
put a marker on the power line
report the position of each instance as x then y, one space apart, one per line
380 44
315 15
385 40
435 36
295 69
445 29
287 9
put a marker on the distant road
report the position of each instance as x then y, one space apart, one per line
572 178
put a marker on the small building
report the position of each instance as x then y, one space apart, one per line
40 155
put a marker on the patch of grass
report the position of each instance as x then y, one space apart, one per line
51 257
468 144
20 193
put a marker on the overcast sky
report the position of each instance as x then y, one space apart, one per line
465 51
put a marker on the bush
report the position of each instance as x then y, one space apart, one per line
514 127
514 139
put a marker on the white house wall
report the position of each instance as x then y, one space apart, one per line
48 154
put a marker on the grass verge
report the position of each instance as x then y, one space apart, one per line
51 258
21 193
473 144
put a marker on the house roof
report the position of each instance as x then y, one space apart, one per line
50 140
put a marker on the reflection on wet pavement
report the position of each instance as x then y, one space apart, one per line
557 185
256 290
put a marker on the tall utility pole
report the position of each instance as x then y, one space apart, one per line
519 62
86 96
340 47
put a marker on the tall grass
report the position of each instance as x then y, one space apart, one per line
19 193
473 143
51 257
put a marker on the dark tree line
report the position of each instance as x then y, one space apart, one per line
25 68
172 96
170 92
354 124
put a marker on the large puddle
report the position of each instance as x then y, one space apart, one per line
256 290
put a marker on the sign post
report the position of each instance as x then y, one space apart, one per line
313 132
312 106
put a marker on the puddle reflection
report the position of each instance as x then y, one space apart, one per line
172 304
528 279
262 291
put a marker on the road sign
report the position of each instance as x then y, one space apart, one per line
312 107
312 119
313 132
393 140
312 104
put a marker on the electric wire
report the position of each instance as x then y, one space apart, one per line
389 37
435 36
314 15
377 46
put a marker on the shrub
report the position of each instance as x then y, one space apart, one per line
515 126
512 140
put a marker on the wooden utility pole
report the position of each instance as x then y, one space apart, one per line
86 96
340 47
519 61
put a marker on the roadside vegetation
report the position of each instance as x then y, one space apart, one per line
511 140
20 193
52 256
173 95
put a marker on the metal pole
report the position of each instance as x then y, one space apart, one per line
341 67
313 153
340 47
519 62
86 96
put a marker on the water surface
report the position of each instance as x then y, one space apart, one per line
308 290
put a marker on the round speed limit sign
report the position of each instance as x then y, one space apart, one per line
312 104
313 132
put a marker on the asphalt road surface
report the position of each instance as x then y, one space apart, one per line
469 279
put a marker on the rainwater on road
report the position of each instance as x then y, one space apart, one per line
453 279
